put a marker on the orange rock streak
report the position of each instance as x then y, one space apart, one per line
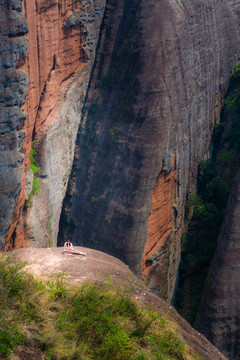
160 222
55 54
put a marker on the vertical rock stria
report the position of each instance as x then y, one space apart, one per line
155 95
161 244
63 36
13 88
219 315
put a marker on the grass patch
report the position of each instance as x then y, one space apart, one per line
35 169
92 321
32 159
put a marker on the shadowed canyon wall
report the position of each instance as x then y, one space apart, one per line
219 317
219 312
156 90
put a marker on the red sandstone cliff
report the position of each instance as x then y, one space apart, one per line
156 89
62 41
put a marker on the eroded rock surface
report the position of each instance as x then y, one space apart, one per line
219 316
156 91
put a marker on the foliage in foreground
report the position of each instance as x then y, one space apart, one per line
88 322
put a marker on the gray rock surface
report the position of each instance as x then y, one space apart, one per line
13 88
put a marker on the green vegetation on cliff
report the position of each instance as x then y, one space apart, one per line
35 169
205 211
92 321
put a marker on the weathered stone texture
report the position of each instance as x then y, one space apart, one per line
13 88
63 36
219 315
161 70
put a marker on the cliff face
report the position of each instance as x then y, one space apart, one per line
220 307
13 88
155 94
62 41
161 70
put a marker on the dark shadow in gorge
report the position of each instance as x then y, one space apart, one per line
97 209
205 211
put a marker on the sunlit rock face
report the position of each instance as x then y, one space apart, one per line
156 91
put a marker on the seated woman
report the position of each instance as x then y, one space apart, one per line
68 247
69 250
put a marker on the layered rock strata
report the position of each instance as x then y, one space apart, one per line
155 95
13 88
219 315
